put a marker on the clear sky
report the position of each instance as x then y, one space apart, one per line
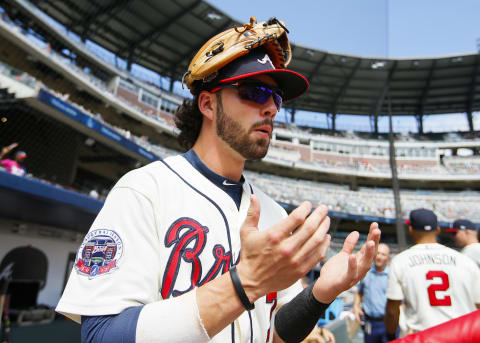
374 28
379 28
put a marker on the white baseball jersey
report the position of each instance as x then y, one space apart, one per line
473 251
165 229
436 282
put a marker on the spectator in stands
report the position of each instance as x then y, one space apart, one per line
436 282
466 237
370 298
15 166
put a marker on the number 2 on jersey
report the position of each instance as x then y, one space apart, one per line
443 286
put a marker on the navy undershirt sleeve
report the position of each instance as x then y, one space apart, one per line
116 328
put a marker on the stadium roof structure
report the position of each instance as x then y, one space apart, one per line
164 36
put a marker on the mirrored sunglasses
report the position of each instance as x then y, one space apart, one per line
255 91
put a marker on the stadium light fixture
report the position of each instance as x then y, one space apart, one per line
378 65
212 16
89 142
457 59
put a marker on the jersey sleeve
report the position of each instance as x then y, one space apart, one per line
473 252
117 265
284 296
394 289
476 287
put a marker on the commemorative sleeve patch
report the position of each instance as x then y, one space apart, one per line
99 253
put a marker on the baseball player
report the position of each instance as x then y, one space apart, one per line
186 249
466 236
437 283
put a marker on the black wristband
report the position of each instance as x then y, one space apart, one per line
391 336
237 284
296 319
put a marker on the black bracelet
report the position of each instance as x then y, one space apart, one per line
237 284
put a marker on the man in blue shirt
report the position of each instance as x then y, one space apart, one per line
370 298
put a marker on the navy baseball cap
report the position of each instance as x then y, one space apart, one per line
422 219
257 62
462 224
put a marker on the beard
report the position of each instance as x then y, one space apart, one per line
232 133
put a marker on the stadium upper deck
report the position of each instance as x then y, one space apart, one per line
46 102
163 40
431 164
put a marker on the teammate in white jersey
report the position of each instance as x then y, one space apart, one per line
466 237
437 283
187 250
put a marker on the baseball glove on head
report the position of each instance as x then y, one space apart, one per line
235 42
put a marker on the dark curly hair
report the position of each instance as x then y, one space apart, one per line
188 120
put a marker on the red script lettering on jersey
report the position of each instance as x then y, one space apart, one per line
179 236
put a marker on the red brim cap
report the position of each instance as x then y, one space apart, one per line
451 230
463 224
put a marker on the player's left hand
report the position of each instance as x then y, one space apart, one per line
345 269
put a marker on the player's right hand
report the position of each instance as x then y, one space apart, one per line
274 259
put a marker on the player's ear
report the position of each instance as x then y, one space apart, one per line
410 229
207 104
439 231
